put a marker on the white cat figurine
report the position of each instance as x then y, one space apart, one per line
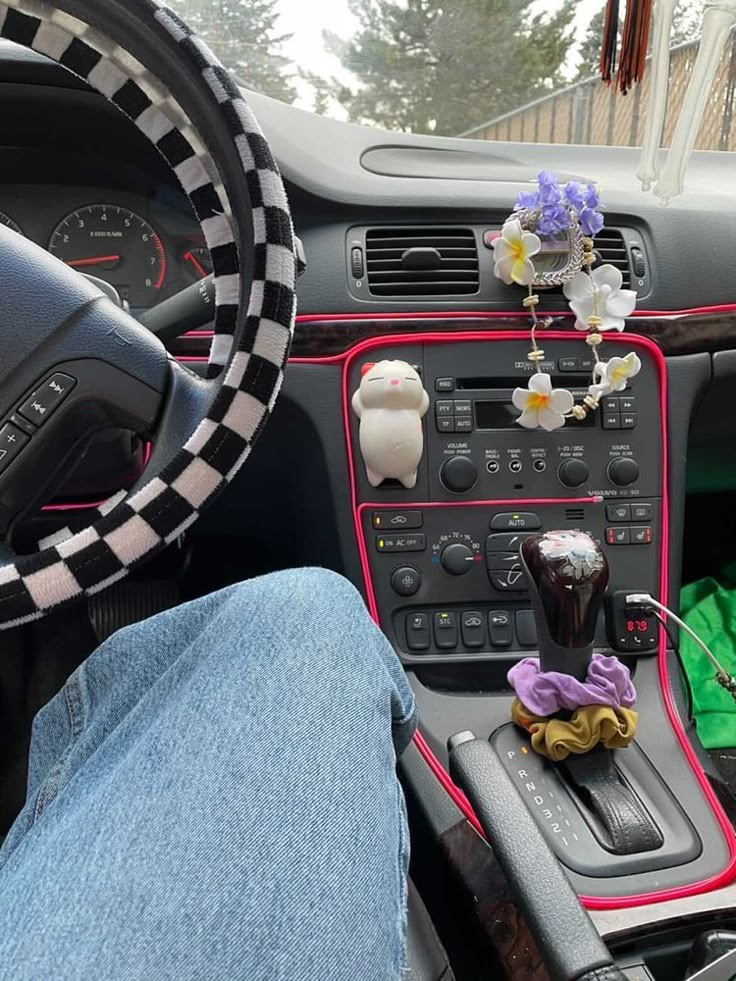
390 404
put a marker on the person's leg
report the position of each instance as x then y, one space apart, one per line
213 795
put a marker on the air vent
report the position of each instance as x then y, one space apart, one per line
611 247
575 514
422 261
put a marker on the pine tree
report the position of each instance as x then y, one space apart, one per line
245 37
589 54
433 66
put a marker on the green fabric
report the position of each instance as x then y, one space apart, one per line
709 607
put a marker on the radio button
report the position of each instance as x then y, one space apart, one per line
569 364
444 385
628 420
540 466
463 424
573 473
611 420
459 474
445 424
493 466
516 466
611 404
443 407
623 471
516 520
463 408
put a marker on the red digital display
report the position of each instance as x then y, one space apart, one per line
637 626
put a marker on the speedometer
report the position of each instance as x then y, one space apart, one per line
116 245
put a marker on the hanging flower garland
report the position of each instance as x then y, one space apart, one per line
565 220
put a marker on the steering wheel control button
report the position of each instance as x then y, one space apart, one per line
622 512
526 628
459 474
417 631
623 471
500 628
457 559
473 629
401 543
39 408
618 536
406 580
397 520
12 441
516 521
445 631
573 473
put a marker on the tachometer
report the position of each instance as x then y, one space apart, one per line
118 246
7 220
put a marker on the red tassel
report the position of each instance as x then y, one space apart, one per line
634 44
610 40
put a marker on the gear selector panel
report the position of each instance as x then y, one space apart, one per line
443 556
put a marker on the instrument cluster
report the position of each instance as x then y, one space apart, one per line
147 248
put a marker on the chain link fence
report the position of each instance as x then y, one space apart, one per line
590 113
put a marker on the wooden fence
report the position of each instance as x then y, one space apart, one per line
590 113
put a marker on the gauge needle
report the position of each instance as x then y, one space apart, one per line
190 257
97 260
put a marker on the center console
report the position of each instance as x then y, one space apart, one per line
444 578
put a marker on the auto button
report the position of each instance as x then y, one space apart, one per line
47 399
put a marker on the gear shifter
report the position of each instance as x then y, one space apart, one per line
568 575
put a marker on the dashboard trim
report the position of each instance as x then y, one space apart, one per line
728 873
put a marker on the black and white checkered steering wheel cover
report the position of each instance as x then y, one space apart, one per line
251 345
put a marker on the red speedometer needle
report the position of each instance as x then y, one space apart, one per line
97 260
190 257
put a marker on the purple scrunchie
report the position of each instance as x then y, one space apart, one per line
543 693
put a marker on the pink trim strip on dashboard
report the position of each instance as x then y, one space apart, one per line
311 318
727 874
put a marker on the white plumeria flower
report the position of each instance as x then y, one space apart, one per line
541 405
613 375
512 252
599 294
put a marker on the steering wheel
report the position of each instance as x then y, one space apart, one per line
72 362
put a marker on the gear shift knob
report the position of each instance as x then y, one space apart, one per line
568 576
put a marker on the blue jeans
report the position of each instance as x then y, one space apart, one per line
213 795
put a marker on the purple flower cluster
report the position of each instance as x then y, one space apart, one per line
555 206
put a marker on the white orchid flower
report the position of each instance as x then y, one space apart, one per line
599 294
613 375
512 252
541 405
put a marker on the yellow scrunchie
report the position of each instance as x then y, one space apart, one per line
588 726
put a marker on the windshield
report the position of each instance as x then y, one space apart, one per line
518 70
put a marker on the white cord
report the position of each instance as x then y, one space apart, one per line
644 599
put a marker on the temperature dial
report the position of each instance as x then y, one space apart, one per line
456 553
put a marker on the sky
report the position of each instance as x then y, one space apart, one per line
306 19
